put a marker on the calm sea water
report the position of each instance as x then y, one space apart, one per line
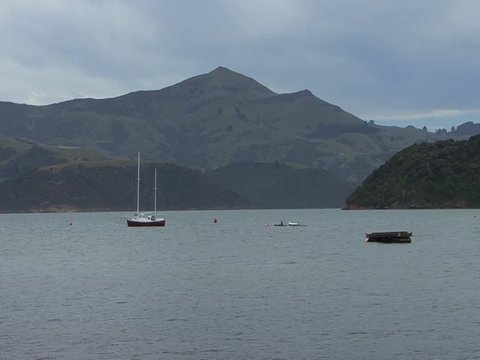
84 286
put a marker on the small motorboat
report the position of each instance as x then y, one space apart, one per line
289 223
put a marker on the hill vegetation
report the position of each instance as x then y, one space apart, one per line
445 174
282 186
111 186
39 179
212 120
248 146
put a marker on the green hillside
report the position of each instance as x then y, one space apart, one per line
445 174
41 178
212 120
111 186
281 186
18 156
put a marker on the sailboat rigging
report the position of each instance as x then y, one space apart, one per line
140 220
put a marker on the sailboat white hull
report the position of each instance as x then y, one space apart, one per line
140 222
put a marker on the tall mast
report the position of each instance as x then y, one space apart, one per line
138 184
155 197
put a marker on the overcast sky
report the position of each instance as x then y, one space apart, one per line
397 62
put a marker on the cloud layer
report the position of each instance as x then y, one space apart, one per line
376 59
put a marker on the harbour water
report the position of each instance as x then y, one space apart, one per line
84 286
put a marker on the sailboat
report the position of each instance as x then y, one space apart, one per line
145 219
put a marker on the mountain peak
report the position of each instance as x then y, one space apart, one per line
221 70
305 92
223 73
225 80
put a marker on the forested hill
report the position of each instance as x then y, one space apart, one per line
212 120
282 186
444 174
38 178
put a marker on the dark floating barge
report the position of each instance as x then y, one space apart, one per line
390 237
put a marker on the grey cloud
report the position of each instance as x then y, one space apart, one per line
369 57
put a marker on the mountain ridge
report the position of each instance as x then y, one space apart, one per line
51 180
212 120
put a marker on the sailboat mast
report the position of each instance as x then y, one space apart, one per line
155 197
138 184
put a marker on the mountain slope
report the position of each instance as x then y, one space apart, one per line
111 186
211 120
18 157
281 186
445 174
45 178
